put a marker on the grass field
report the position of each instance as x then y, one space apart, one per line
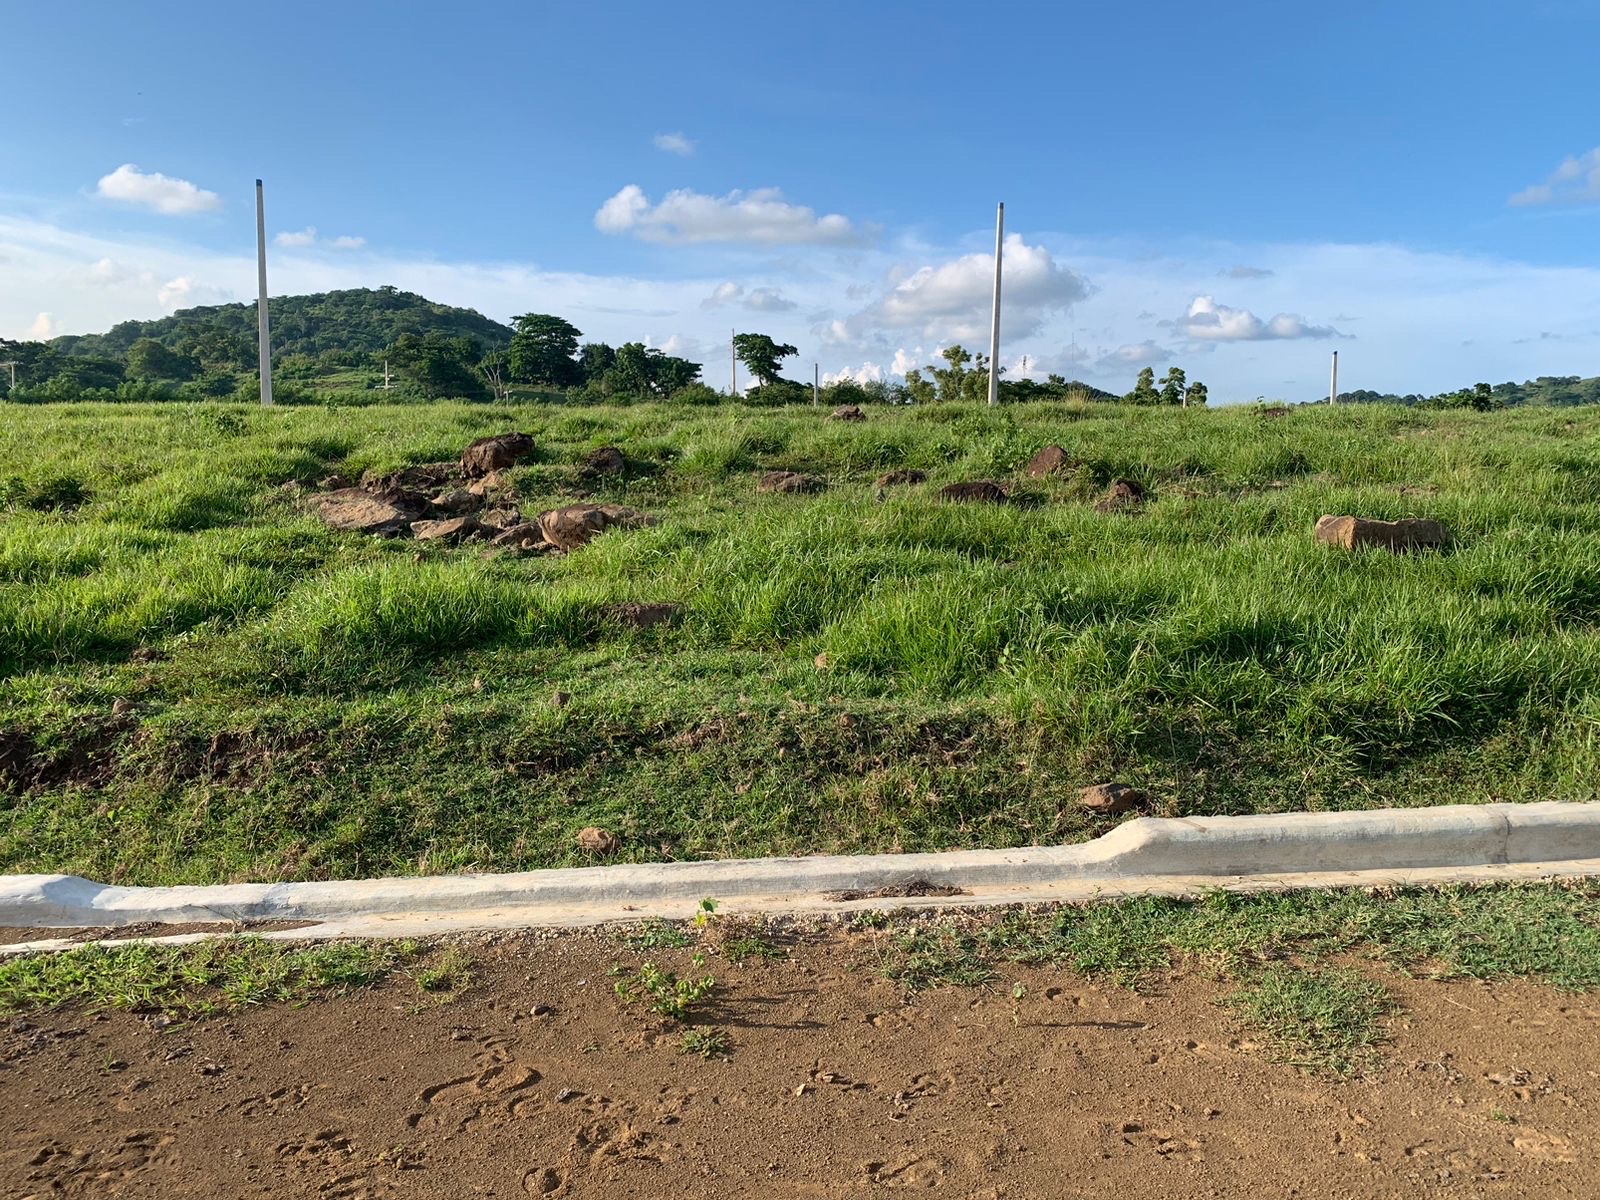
201 683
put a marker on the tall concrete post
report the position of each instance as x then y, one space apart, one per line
1333 384
994 327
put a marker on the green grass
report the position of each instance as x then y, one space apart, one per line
309 705
1321 1019
221 975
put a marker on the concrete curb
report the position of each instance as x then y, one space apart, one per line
1147 854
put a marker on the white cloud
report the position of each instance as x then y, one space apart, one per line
766 299
674 143
952 302
684 217
155 191
724 293
346 242
904 361
184 292
1242 272
1575 181
44 326
867 372
1210 321
303 237
1140 354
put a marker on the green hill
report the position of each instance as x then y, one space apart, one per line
1556 390
359 320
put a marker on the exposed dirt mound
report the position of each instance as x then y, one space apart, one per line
495 453
1049 461
978 491
847 412
900 477
578 524
607 460
788 481
1408 533
1124 495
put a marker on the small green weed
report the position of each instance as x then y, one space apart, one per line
707 1043
656 934
939 956
664 993
743 949
448 974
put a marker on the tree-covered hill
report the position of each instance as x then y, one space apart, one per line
1556 390
360 320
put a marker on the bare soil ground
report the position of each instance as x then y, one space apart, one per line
538 1081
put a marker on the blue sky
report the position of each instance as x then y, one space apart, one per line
1234 189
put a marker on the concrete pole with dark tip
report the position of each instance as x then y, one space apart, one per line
994 327
1333 385
263 334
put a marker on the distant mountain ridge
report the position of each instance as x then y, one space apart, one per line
1559 391
359 320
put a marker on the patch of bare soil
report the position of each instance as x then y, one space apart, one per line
539 1082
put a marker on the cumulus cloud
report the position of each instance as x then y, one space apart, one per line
1140 354
675 143
44 326
184 292
723 293
155 191
867 372
1242 272
684 217
1209 321
1575 181
765 299
951 302
303 237
346 242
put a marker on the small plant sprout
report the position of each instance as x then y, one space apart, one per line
663 992
707 913
707 1043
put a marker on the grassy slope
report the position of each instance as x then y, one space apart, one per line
329 706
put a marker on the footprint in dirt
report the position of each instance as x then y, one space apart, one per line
460 1101
543 1181
915 1173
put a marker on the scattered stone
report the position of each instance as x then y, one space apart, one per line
560 699
577 524
977 491
1122 495
598 841
899 476
500 518
453 529
359 511
332 483
848 412
495 453
822 662
1409 533
1111 799
636 615
1048 461
515 535
788 481
492 482
457 501
607 460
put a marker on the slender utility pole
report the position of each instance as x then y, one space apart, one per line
13 365
994 328
1333 387
264 336
733 362
816 380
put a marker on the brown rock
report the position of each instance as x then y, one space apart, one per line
577 524
357 511
495 453
847 412
499 518
1123 494
457 501
560 699
515 535
453 529
332 483
636 615
607 460
788 481
900 476
1111 799
1047 462
1409 533
598 841
492 482
422 477
977 491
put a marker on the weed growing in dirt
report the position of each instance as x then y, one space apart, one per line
657 934
707 1043
447 975
212 976
1327 1019
663 992
742 949
936 956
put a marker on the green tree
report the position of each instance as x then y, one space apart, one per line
762 356
637 370
543 349
441 366
1172 387
594 360
1144 388
1194 395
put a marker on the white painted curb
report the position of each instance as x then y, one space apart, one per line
1150 854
